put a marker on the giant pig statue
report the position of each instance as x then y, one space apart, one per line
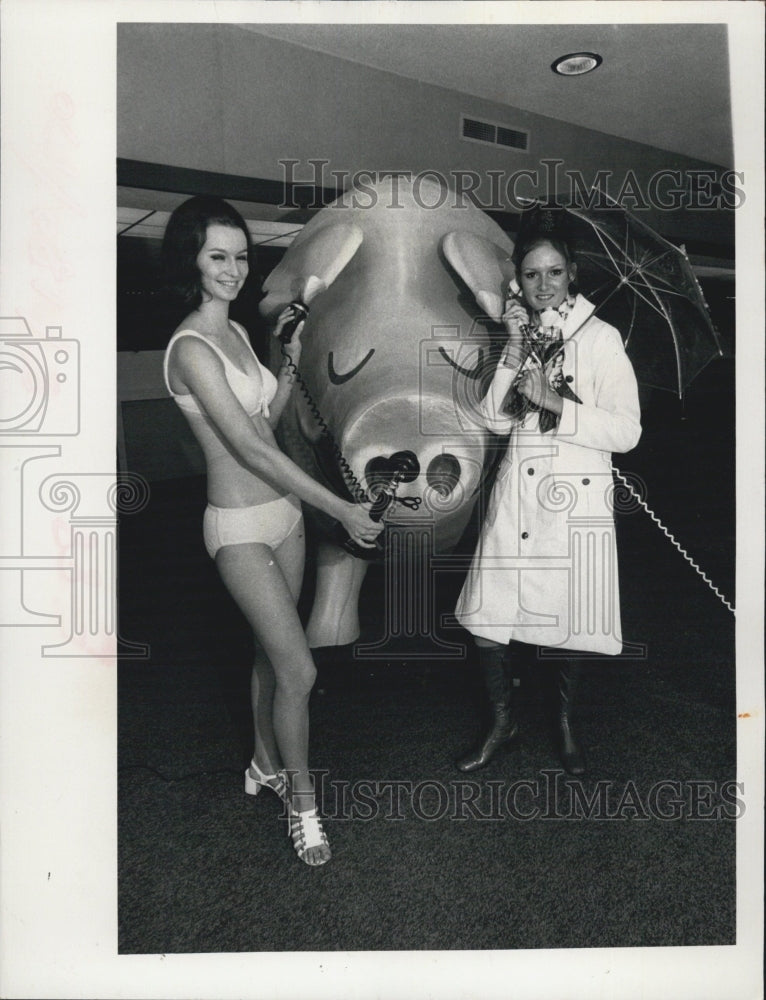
401 276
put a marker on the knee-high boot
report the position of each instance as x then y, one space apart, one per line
504 726
569 751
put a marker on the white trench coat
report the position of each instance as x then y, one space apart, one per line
545 568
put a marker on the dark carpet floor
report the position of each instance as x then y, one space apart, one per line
640 853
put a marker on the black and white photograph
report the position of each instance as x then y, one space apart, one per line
382 540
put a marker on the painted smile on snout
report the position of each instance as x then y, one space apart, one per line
339 379
474 372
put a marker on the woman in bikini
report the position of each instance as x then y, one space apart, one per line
253 526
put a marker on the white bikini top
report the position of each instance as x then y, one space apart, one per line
253 390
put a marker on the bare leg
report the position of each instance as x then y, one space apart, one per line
262 687
290 557
254 576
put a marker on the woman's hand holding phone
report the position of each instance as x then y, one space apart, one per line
288 333
515 318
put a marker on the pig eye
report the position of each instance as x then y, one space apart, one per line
337 379
474 372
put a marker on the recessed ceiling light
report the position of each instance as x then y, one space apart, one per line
576 63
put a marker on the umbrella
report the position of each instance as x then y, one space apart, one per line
645 287
640 283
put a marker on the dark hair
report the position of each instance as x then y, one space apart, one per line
531 240
185 235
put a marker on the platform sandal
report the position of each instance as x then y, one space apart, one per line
255 780
306 831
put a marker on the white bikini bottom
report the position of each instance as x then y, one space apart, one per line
268 523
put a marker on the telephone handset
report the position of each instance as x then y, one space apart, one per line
311 287
514 295
300 312
401 467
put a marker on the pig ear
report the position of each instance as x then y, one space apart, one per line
484 266
310 266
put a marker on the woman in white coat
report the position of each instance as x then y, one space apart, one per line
545 568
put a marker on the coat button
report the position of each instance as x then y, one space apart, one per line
525 534
530 472
585 482
569 378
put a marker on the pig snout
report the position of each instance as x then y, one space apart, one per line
387 443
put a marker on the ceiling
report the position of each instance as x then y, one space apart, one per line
666 85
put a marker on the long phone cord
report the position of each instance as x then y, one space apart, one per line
639 501
354 486
360 496
352 483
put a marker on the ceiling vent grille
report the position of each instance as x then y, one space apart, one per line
493 134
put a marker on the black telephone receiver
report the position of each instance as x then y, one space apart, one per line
300 312
403 467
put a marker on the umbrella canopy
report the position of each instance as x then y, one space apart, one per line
640 283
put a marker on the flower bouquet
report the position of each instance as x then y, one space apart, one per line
542 349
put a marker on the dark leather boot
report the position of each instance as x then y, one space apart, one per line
504 726
569 751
